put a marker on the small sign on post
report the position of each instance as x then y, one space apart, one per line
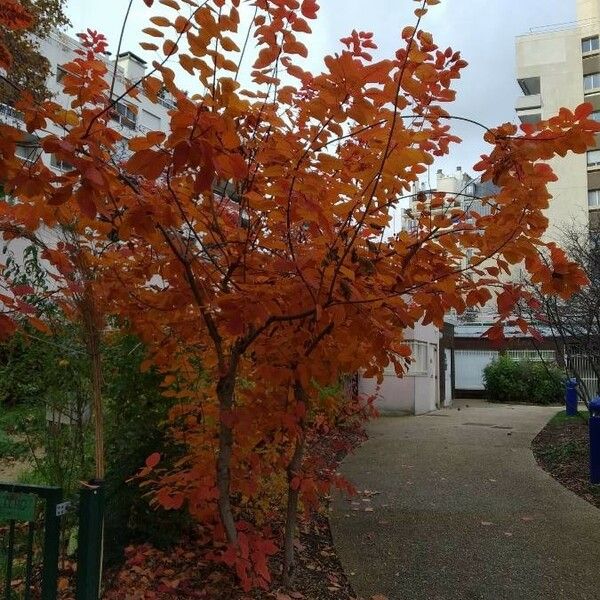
17 507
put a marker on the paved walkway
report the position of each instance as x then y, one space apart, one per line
463 512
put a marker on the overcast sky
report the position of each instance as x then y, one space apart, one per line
483 30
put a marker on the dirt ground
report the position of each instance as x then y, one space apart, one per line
562 449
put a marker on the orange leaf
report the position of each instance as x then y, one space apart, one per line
266 57
169 47
148 46
160 21
153 460
148 163
153 32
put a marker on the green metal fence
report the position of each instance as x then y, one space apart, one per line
28 513
30 533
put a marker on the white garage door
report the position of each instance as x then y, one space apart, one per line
469 365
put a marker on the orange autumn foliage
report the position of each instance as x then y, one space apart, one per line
14 17
247 247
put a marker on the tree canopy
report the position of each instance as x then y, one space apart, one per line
20 21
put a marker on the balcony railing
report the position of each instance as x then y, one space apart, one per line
167 102
11 116
530 102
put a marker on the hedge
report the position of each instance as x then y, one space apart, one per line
507 380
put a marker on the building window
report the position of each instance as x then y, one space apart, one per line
593 158
60 74
29 153
595 116
594 198
166 100
530 85
61 165
125 115
419 364
591 81
591 44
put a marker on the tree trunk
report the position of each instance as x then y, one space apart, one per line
291 520
98 410
225 389
92 324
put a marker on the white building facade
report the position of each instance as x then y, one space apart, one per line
131 117
559 66
419 391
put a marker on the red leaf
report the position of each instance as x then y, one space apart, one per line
86 202
22 290
153 460
583 111
309 9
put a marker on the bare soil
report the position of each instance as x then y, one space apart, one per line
562 449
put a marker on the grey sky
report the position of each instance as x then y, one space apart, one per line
483 30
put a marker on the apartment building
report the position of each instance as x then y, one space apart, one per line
559 65
556 66
131 117
470 350
462 192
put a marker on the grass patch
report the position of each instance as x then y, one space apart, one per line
11 448
561 418
555 455
32 476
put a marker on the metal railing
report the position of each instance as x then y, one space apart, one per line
10 115
581 365
19 509
22 573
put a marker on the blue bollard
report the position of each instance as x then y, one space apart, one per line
594 408
571 397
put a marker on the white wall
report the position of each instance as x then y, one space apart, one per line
412 394
555 58
588 10
469 366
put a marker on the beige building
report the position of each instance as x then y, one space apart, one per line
559 66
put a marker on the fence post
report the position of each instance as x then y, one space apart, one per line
90 540
51 544
594 408
571 397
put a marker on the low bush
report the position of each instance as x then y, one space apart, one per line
10 448
136 414
507 380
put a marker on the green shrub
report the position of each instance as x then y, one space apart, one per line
10 448
507 380
136 412
54 371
